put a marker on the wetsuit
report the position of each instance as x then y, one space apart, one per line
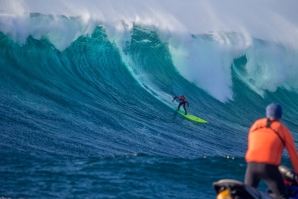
183 101
266 141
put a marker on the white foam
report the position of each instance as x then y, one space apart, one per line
268 19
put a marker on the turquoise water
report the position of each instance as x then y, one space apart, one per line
95 119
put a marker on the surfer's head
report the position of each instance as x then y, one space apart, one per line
273 111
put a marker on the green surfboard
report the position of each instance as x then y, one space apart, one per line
192 117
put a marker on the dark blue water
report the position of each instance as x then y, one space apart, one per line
96 121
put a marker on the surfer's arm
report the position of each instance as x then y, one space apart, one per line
174 98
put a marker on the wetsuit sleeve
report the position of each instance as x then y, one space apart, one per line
291 148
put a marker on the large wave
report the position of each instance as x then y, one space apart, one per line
202 57
87 88
113 67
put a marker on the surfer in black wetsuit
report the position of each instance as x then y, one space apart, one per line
183 101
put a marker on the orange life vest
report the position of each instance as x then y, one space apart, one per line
267 141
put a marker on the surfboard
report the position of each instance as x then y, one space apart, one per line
192 117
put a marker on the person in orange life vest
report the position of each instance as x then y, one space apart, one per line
267 138
183 101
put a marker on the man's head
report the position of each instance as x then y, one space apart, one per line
274 111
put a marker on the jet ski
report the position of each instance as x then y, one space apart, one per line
235 189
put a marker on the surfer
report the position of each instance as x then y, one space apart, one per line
267 138
183 102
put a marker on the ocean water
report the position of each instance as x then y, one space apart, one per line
86 88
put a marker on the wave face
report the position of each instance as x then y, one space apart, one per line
86 98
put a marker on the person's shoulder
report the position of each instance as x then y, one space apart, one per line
280 126
260 121
285 128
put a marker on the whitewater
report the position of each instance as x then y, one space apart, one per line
86 87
